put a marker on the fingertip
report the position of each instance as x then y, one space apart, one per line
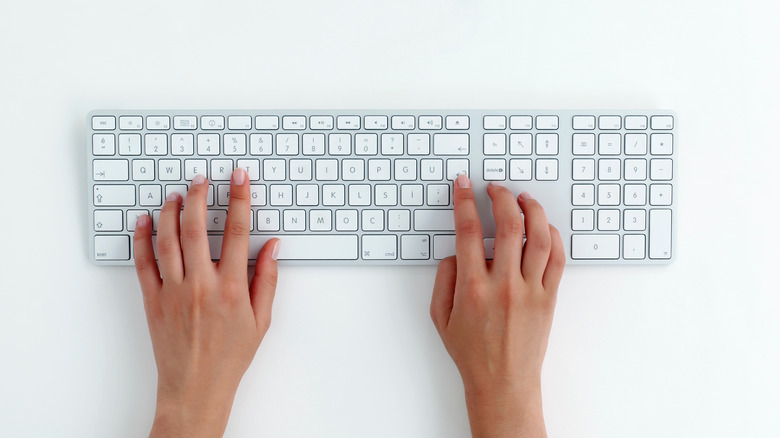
463 181
239 176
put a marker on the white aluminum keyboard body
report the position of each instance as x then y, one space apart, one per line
375 186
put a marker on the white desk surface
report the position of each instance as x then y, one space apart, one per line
691 349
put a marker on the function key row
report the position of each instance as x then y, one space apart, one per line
292 122
618 122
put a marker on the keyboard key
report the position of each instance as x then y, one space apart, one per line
450 144
547 144
294 122
129 144
108 220
158 123
636 122
378 247
457 122
185 122
131 122
520 122
609 122
634 246
583 122
212 122
268 123
113 195
662 122
430 122
636 144
348 122
321 122
660 234
240 122
100 123
546 170
546 122
112 247
595 246
494 122
110 170
299 247
376 122
434 220
403 122
415 247
103 144
661 144
661 169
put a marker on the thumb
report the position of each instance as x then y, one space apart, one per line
263 286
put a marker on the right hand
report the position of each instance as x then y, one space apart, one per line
494 317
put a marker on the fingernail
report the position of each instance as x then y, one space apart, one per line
141 221
526 196
275 252
199 179
174 197
463 181
239 176
496 184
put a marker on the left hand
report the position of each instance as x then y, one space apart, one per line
205 319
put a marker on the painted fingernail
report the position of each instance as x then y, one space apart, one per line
526 196
495 183
275 252
239 176
463 181
141 221
175 197
199 179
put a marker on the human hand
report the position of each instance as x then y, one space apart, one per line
206 321
494 317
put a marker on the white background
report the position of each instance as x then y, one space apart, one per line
690 349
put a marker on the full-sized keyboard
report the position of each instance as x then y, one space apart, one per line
375 186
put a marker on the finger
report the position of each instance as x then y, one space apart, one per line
235 244
443 293
536 251
168 245
143 255
263 287
556 262
509 229
469 249
194 243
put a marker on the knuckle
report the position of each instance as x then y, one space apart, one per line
240 193
166 247
539 243
469 226
143 263
513 225
236 228
190 232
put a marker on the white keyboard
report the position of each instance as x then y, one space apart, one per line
375 186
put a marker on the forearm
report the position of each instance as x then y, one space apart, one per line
506 413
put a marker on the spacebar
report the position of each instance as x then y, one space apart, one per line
300 247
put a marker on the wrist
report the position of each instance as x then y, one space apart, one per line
511 409
191 415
